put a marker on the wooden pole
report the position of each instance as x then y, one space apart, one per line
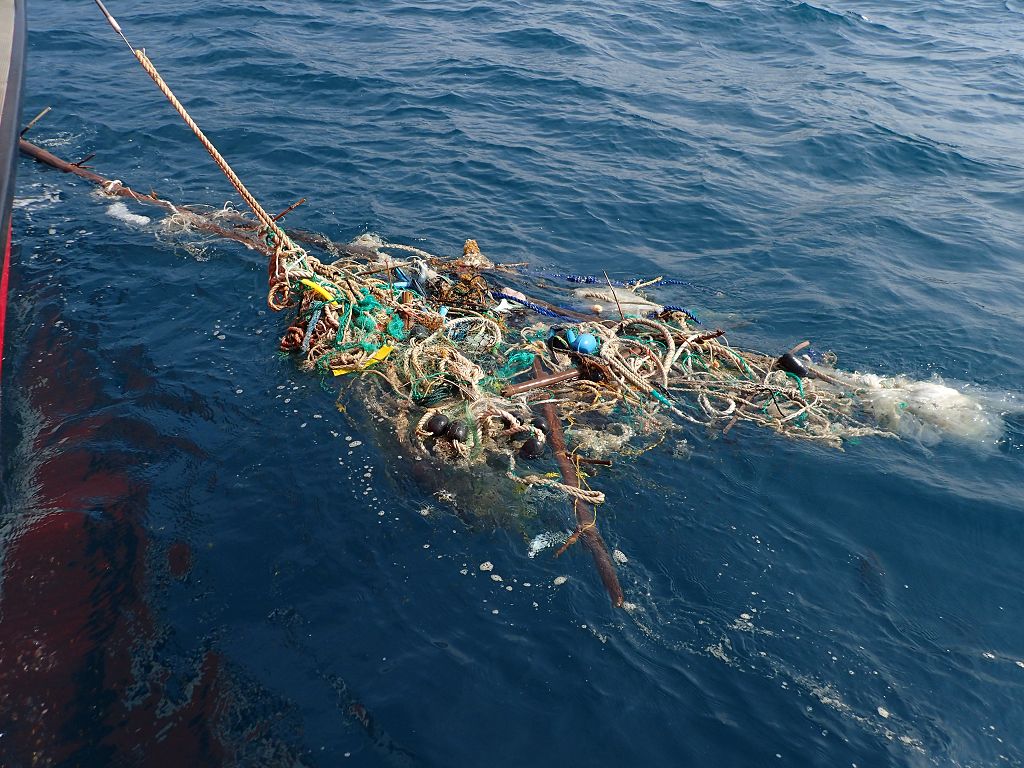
540 382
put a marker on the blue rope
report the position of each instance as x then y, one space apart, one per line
309 328
583 279
530 305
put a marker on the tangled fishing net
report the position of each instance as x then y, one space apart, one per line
470 357
442 334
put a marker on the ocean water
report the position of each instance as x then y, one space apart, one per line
205 562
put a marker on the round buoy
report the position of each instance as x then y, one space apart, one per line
437 424
457 432
540 423
585 343
532 449
419 332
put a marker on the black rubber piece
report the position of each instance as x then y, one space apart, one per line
789 363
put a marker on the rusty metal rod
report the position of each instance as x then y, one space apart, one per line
540 382
596 462
289 209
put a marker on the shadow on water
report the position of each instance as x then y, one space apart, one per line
871 578
89 673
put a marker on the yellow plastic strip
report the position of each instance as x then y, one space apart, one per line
318 289
379 356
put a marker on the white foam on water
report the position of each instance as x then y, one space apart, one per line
542 541
120 212
47 196
929 410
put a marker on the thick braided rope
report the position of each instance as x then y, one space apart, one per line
265 218
516 426
663 331
583 494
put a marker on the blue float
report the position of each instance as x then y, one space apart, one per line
585 343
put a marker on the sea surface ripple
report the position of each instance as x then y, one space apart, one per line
205 562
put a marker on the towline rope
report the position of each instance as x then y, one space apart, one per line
282 244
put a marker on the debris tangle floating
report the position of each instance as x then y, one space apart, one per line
478 370
476 379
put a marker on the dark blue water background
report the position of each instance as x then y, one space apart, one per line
848 172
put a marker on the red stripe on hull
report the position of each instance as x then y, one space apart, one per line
3 293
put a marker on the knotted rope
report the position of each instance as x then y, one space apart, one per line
583 494
587 495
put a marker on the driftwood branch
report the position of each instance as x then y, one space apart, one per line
196 219
243 230
586 526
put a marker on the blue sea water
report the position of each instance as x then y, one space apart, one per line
205 562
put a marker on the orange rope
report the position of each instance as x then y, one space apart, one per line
282 242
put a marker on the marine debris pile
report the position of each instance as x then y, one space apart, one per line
483 371
472 356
